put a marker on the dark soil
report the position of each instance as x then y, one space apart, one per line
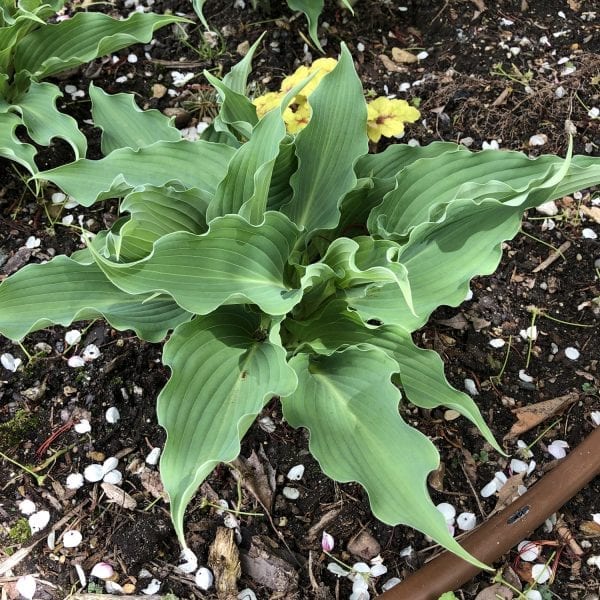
473 88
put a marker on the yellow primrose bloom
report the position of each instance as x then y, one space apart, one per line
297 115
295 78
321 66
387 117
267 102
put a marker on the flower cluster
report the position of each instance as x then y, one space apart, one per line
385 117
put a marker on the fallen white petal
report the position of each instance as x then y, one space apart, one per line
531 467
489 489
595 416
291 493
422 55
390 583
448 511
539 139
152 587
588 234
466 521
548 208
594 112
500 478
528 551
407 551
37 521
378 570
32 242
360 585
81 575
533 595
247 594
58 198
90 352
189 561
110 463
76 362
518 466
9 362
541 573
296 473
113 477
530 333
83 426
523 376
361 567
112 414
471 387
93 473
74 481
230 521
337 570
102 570
497 343
524 450
26 586
72 538
594 561
153 456
112 587
266 424
27 507
572 353
327 542
51 540
73 337
558 449
204 578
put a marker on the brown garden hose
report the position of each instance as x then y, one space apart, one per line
506 529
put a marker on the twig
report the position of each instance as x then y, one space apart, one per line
558 253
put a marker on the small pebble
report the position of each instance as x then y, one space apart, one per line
153 456
83 426
589 234
523 376
132 58
112 415
572 353
497 343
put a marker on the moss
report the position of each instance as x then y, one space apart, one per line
20 531
17 429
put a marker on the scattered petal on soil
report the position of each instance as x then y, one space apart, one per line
291 493
595 417
152 587
153 456
39 520
448 511
533 595
246 594
471 387
528 551
204 578
530 333
378 570
558 449
594 561
523 376
74 481
337 570
327 542
466 521
112 415
497 343
51 540
572 353
588 234
109 464
113 588
267 424
102 570
72 538
9 362
189 561
296 473
390 583
32 242
83 426
547 208
75 362
81 575
113 477
27 507
518 466
73 337
539 139
26 586
93 473
541 573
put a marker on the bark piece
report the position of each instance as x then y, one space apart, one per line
224 560
364 545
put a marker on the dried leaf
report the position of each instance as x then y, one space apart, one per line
255 478
480 4
458 321
530 416
592 212
390 65
495 592
152 483
590 528
403 56
364 545
436 478
118 496
501 99
509 491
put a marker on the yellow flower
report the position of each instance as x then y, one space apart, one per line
387 117
294 79
267 102
297 115
321 66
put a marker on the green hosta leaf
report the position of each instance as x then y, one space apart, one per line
55 48
328 147
222 376
43 120
198 164
198 6
124 125
286 164
13 148
312 9
335 327
237 78
156 212
350 406
510 177
233 263
387 164
62 291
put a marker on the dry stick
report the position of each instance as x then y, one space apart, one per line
552 257
507 528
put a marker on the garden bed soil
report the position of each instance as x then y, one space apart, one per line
483 79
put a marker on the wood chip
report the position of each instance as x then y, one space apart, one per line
390 65
530 416
403 56
118 496
559 253
593 212
508 493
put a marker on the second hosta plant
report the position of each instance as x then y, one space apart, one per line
295 266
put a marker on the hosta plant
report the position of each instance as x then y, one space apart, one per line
33 49
290 266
